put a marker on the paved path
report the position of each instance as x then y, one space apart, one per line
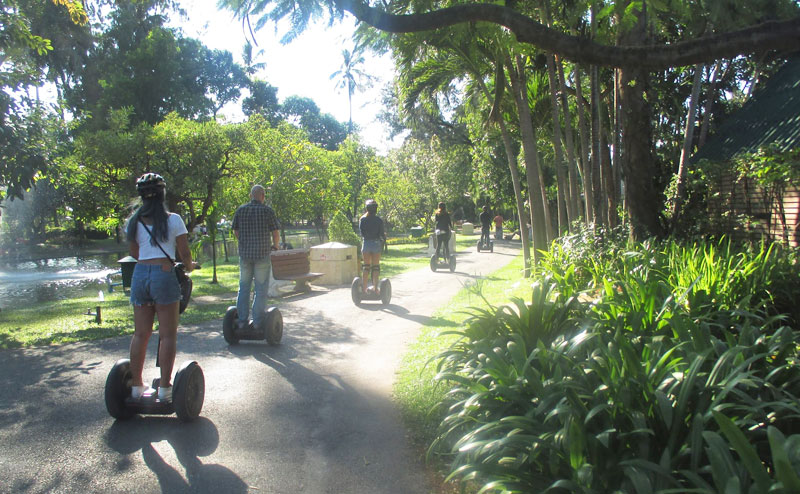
313 415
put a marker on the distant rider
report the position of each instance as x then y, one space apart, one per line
486 225
443 227
371 228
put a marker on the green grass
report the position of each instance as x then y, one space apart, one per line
415 389
66 321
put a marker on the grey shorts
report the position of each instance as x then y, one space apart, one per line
152 285
371 247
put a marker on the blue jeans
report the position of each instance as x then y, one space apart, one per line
253 270
485 234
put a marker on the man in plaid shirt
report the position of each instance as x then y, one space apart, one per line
253 224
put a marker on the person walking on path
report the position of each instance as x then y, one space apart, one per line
443 227
486 225
154 237
257 231
498 227
371 228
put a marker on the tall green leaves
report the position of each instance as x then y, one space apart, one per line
616 378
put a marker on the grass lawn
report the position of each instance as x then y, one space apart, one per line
65 321
415 389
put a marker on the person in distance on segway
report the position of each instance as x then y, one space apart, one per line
371 228
443 227
155 236
486 224
257 230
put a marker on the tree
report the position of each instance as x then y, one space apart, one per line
355 161
138 62
350 77
263 100
634 53
26 130
322 128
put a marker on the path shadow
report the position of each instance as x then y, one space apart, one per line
190 441
303 334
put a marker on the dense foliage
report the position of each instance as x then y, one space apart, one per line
632 369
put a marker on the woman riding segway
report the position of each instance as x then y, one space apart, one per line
371 227
155 236
444 225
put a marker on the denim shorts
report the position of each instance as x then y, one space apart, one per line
152 285
371 246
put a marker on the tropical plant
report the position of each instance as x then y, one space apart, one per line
616 377
341 230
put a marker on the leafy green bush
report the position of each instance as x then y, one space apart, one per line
652 369
341 230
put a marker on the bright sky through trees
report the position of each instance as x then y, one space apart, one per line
301 68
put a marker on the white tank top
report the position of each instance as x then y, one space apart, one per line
175 227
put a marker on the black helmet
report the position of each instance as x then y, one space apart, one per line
150 184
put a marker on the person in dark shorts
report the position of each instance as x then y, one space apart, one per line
371 228
444 226
154 287
486 225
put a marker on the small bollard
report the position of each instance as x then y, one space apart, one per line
98 318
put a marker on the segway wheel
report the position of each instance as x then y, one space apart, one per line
118 387
273 332
452 263
434 263
189 391
229 325
386 291
479 245
355 290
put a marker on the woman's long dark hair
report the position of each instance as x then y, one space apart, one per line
442 208
156 209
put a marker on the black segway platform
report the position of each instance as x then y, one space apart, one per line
384 293
485 246
271 329
440 262
188 393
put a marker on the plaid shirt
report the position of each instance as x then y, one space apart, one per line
255 223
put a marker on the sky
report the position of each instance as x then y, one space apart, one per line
301 68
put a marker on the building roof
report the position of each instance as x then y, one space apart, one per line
771 117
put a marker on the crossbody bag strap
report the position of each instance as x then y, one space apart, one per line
156 241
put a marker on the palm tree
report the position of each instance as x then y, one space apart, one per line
249 60
351 77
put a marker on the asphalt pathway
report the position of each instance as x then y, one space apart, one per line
312 415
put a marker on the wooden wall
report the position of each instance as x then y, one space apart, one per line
743 210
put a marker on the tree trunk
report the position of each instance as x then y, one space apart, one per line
521 214
570 145
535 199
616 157
686 150
606 173
565 212
637 158
597 191
563 189
588 196
712 89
